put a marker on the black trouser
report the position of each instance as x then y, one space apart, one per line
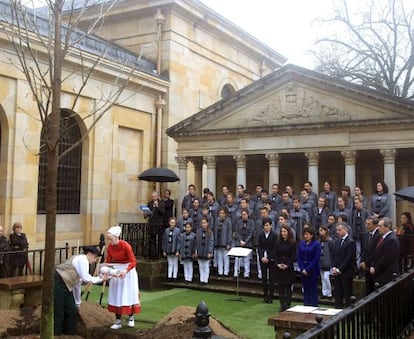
65 311
342 291
267 281
285 296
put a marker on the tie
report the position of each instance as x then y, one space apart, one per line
342 242
379 242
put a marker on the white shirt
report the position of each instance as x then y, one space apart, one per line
81 264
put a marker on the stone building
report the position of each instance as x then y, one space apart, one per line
295 125
189 58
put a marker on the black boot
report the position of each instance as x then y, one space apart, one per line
270 297
265 295
288 297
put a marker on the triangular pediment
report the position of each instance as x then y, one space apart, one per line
292 97
295 104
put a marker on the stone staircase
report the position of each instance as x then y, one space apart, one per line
247 287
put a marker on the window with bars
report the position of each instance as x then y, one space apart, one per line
69 169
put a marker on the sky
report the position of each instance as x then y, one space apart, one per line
287 26
284 25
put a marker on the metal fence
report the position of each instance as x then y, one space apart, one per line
35 258
387 313
139 237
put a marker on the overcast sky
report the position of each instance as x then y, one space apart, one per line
284 25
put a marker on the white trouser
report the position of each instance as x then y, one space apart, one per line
358 251
259 268
204 267
188 270
172 266
326 284
223 261
242 261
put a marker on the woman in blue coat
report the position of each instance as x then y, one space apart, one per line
308 257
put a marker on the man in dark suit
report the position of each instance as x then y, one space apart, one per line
156 224
343 266
169 206
384 262
371 225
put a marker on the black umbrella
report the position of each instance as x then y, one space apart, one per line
406 193
159 174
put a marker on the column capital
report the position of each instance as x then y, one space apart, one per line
313 158
197 162
273 159
389 155
240 160
160 103
349 157
182 162
210 161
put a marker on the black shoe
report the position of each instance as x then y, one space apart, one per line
169 280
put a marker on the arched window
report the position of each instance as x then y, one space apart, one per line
227 91
69 169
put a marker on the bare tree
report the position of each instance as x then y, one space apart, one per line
372 43
42 44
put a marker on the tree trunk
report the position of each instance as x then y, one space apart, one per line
52 130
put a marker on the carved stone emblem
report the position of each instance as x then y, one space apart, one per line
291 105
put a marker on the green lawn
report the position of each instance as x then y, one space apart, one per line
248 319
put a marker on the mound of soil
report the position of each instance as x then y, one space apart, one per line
95 321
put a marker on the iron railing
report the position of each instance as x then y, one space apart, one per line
138 236
35 258
387 313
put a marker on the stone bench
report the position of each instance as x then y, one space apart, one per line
20 291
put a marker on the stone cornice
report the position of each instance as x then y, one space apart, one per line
302 128
286 74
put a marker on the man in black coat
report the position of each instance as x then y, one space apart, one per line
384 264
371 225
343 266
169 205
156 224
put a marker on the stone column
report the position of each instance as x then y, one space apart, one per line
389 176
350 177
211 173
403 182
273 159
182 174
313 169
241 169
198 175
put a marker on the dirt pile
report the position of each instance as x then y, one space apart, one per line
95 321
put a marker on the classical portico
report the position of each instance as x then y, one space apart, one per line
296 125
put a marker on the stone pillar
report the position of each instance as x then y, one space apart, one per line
273 159
350 177
211 173
389 176
182 174
403 182
198 175
313 169
241 169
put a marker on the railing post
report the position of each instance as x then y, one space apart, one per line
319 320
66 250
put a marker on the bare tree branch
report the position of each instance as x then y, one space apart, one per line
373 47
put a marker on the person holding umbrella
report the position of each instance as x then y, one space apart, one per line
123 296
156 224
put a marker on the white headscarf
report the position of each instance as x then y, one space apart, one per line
115 230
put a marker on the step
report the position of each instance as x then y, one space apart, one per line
247 287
